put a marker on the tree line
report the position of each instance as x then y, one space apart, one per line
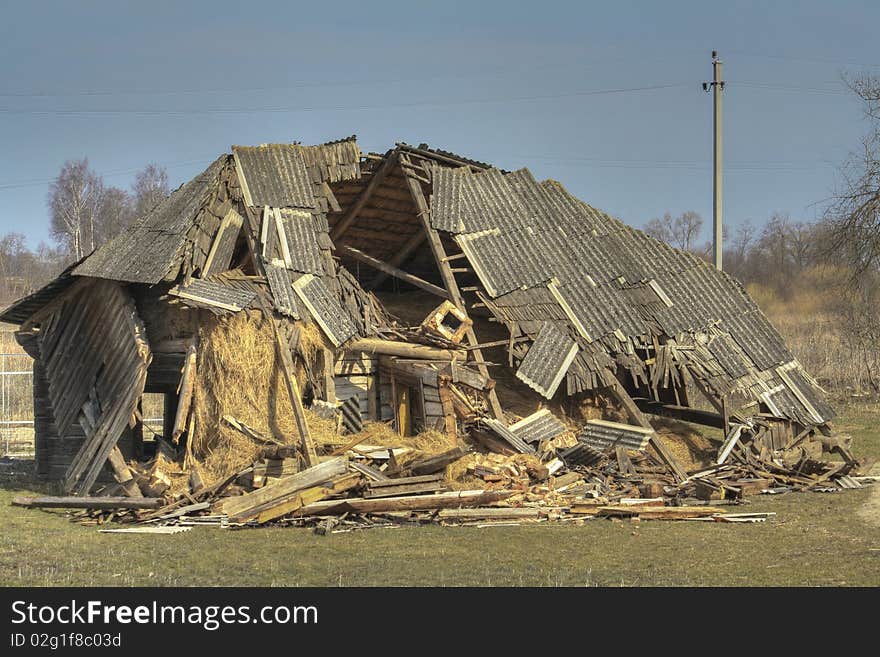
84 213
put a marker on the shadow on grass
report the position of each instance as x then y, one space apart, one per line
19 475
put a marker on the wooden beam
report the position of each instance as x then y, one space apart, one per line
85 502
391 270
404 349
351 214
684 413
414 242
452 499
308 446
122 473
185 393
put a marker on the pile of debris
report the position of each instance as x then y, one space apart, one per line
508 481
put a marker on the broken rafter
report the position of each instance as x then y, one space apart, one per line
414 242
391 270
343 224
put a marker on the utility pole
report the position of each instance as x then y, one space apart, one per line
717 86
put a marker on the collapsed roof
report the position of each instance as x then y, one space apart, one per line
587 300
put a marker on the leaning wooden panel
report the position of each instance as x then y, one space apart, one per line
220 255
96 357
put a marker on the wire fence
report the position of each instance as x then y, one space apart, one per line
16 405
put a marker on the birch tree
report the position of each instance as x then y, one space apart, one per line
74 201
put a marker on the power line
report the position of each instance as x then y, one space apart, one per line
106 174
254 110
809 60
579 65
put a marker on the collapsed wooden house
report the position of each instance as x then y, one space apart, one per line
307 234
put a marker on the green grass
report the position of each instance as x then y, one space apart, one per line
815 539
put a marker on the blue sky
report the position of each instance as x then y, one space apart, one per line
604 97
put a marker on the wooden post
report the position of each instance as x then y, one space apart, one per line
447 275
329 382
289 375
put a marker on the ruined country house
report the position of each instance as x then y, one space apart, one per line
537 296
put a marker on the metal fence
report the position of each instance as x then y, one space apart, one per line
16 405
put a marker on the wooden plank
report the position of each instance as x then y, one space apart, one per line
452 499
729 443
489 513
405 489
668 458
308 447
185 393
248 431
436 463
318 474
308 496
400 481
86 502
462 373
220 255
391 270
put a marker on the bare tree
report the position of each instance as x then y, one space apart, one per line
854 215
682 231
150 186
74 199
115 212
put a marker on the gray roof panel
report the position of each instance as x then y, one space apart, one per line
276 175
547 360
152 247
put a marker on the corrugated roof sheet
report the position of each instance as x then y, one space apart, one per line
610 282
547 360
539 426
282 290
152 247
811 392
275 175
217 293
325 309
602 435
302 241
293 175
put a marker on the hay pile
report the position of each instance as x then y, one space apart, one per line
238 375
690 448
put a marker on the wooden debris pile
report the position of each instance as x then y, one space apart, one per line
361 486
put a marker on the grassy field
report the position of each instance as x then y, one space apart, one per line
815 539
